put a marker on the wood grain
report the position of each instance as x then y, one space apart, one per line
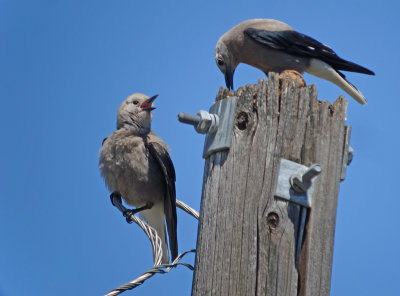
246 236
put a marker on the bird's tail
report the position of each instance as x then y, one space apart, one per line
323 70
155 218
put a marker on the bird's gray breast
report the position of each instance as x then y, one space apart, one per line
128 167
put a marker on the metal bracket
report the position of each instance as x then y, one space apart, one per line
217 124
295 184
348 152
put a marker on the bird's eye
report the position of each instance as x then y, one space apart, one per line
220 62
135 102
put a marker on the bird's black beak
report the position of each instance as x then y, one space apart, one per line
148 104
229 78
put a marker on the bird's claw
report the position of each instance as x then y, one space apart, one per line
129 212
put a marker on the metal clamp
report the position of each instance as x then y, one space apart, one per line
348 153
217 124
296 184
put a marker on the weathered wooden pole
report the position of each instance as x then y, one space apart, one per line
247 236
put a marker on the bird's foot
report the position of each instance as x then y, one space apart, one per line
129 212
291 75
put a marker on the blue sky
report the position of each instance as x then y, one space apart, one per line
65 66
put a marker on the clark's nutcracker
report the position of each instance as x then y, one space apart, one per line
273 46
136 165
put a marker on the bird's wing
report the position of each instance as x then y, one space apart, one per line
162 157
298 44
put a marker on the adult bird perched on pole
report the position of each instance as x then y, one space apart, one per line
273 46
136 165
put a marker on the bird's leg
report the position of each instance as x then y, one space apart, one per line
117 202
128 212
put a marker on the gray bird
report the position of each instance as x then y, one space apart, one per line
273 46
136 165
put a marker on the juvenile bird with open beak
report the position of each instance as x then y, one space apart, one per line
136 166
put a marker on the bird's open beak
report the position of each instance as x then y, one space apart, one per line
229 78
148 104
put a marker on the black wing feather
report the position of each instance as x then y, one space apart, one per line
299 44
164 160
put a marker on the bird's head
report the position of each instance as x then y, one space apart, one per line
135 113
226 62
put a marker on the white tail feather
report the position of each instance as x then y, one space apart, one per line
155 217
323 70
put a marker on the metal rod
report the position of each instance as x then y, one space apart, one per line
189 118
311 172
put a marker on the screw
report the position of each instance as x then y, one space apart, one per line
203 122
189 118
297 185
302 185
350 155
311 172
